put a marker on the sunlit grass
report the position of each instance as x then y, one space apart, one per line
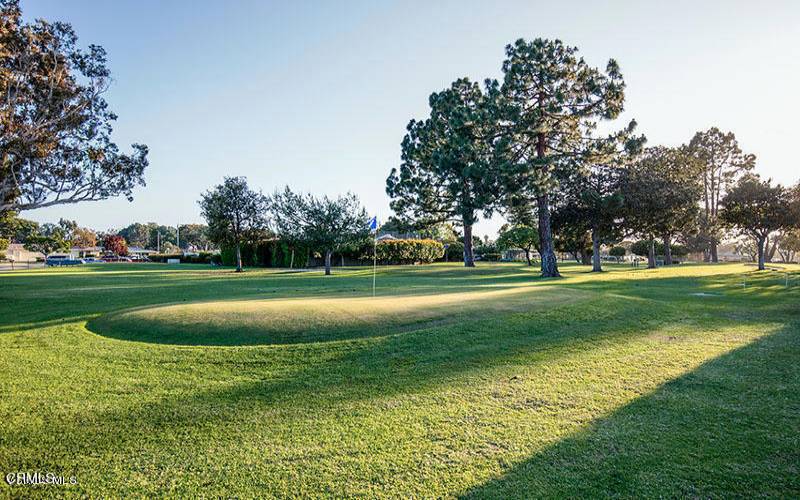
488 382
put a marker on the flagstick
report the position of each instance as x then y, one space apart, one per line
374 261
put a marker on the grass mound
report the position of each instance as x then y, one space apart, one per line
292 321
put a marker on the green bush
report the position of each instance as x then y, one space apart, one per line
455 252
490 256
200 258
617 251
268 253
642 247
408 251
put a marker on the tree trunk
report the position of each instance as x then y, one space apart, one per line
238 257
596 263
291 260
651 254
761 266
528 257
549 263
770 248
714 256
469 256
328 254
586 259
667 250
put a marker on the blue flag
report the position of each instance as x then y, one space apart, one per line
373 224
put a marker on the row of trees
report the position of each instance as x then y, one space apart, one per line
527 146
169 238
237 214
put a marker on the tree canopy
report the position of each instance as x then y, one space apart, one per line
446 172
661 192
757 208
721 162
55 125
551 103
328 224
235 214
520 236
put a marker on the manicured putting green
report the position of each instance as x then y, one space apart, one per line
290 321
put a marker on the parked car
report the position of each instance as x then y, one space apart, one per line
93 260
115 258
62 260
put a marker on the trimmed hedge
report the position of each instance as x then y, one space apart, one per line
269 253
200 258
409 251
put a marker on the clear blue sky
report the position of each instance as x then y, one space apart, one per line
317 94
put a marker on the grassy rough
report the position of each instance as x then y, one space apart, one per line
487 382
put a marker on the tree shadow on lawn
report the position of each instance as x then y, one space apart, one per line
729 428
325 378
412 362
340 314
32 298
297 321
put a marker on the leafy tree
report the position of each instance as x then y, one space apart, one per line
3 247
194 235
442 231
551 102
721 162
789 245
235 214
16 229
47 239
324 223
61 233
84 237
137 235
594 204
55 126
643 248
116 244
757 209
523 237
161 235
618 252
661 194
446 172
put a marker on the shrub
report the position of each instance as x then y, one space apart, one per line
454 252
409 251
641 248
617 251
200 258
490 256
3 247
267 253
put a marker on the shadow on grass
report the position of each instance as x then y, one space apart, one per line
295 321
730 428
414 362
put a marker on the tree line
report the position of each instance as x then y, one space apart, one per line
237 214
528 146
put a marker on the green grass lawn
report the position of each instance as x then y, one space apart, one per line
145 380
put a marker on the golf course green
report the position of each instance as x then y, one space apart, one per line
184 381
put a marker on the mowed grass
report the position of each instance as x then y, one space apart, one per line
152 380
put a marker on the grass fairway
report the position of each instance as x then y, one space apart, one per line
151 380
